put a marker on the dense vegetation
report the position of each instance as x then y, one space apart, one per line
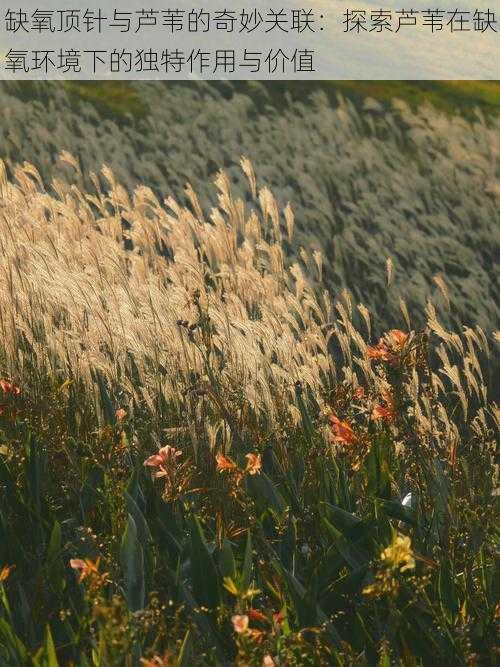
204 460
368 179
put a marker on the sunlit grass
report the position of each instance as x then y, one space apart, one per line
206 459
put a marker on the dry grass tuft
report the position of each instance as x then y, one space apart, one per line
161 304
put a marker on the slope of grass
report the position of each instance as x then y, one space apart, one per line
120 99
450 97
367 184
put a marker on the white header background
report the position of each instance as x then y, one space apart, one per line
411 53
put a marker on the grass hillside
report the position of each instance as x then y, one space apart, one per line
368 179
118 99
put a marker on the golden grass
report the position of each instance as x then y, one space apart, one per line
158 301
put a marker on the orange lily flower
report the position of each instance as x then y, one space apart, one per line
156 661
9 389
378 352
359 393
254 464
384 412
381 412
341 431
240 623
398 338
224 463
163 460
278 618
388 346
256 615
85 567
120 414
268 661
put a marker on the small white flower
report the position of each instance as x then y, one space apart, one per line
407 501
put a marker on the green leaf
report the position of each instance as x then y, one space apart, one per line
447 593
144 536
385 660
304 604
50 650
135 491
350 584
263 491
395 510
106 402
344 521
308 612
54 564
203 621
378 468
143 532
247 563
353 555
91 491
440 490
54 548
206 584
35 469
184 659
289 544
307 424
18 654
5 602
132 559
226 562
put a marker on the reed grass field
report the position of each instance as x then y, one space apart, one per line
248 377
